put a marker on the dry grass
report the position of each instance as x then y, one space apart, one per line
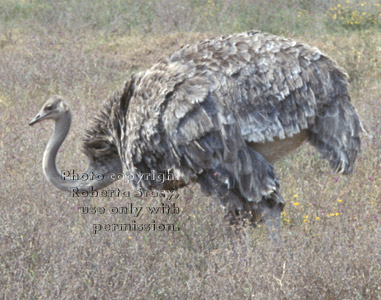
331 248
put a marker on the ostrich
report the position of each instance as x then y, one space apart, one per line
219 113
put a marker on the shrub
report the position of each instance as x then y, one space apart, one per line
354 15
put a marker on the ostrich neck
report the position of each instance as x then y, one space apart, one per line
61 129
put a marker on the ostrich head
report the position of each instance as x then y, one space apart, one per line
54 108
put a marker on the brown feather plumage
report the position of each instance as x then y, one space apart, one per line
196 112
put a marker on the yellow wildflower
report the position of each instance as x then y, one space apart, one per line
334 16
317 218
337 214
129 237
331 215
296 203
296 196
339 200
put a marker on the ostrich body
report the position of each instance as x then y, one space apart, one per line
218 112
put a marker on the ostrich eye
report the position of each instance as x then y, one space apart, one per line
50 106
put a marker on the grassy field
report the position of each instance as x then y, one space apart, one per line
85 50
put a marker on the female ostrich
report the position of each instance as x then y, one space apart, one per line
218 112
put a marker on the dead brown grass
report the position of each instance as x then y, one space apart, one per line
331 248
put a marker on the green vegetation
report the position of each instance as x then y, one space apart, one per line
355 15
85 50
149 16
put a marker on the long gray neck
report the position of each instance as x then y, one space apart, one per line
61 129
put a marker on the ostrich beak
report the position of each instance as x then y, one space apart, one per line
39 117
35 119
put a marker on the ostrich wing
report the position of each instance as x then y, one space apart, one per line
272 86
